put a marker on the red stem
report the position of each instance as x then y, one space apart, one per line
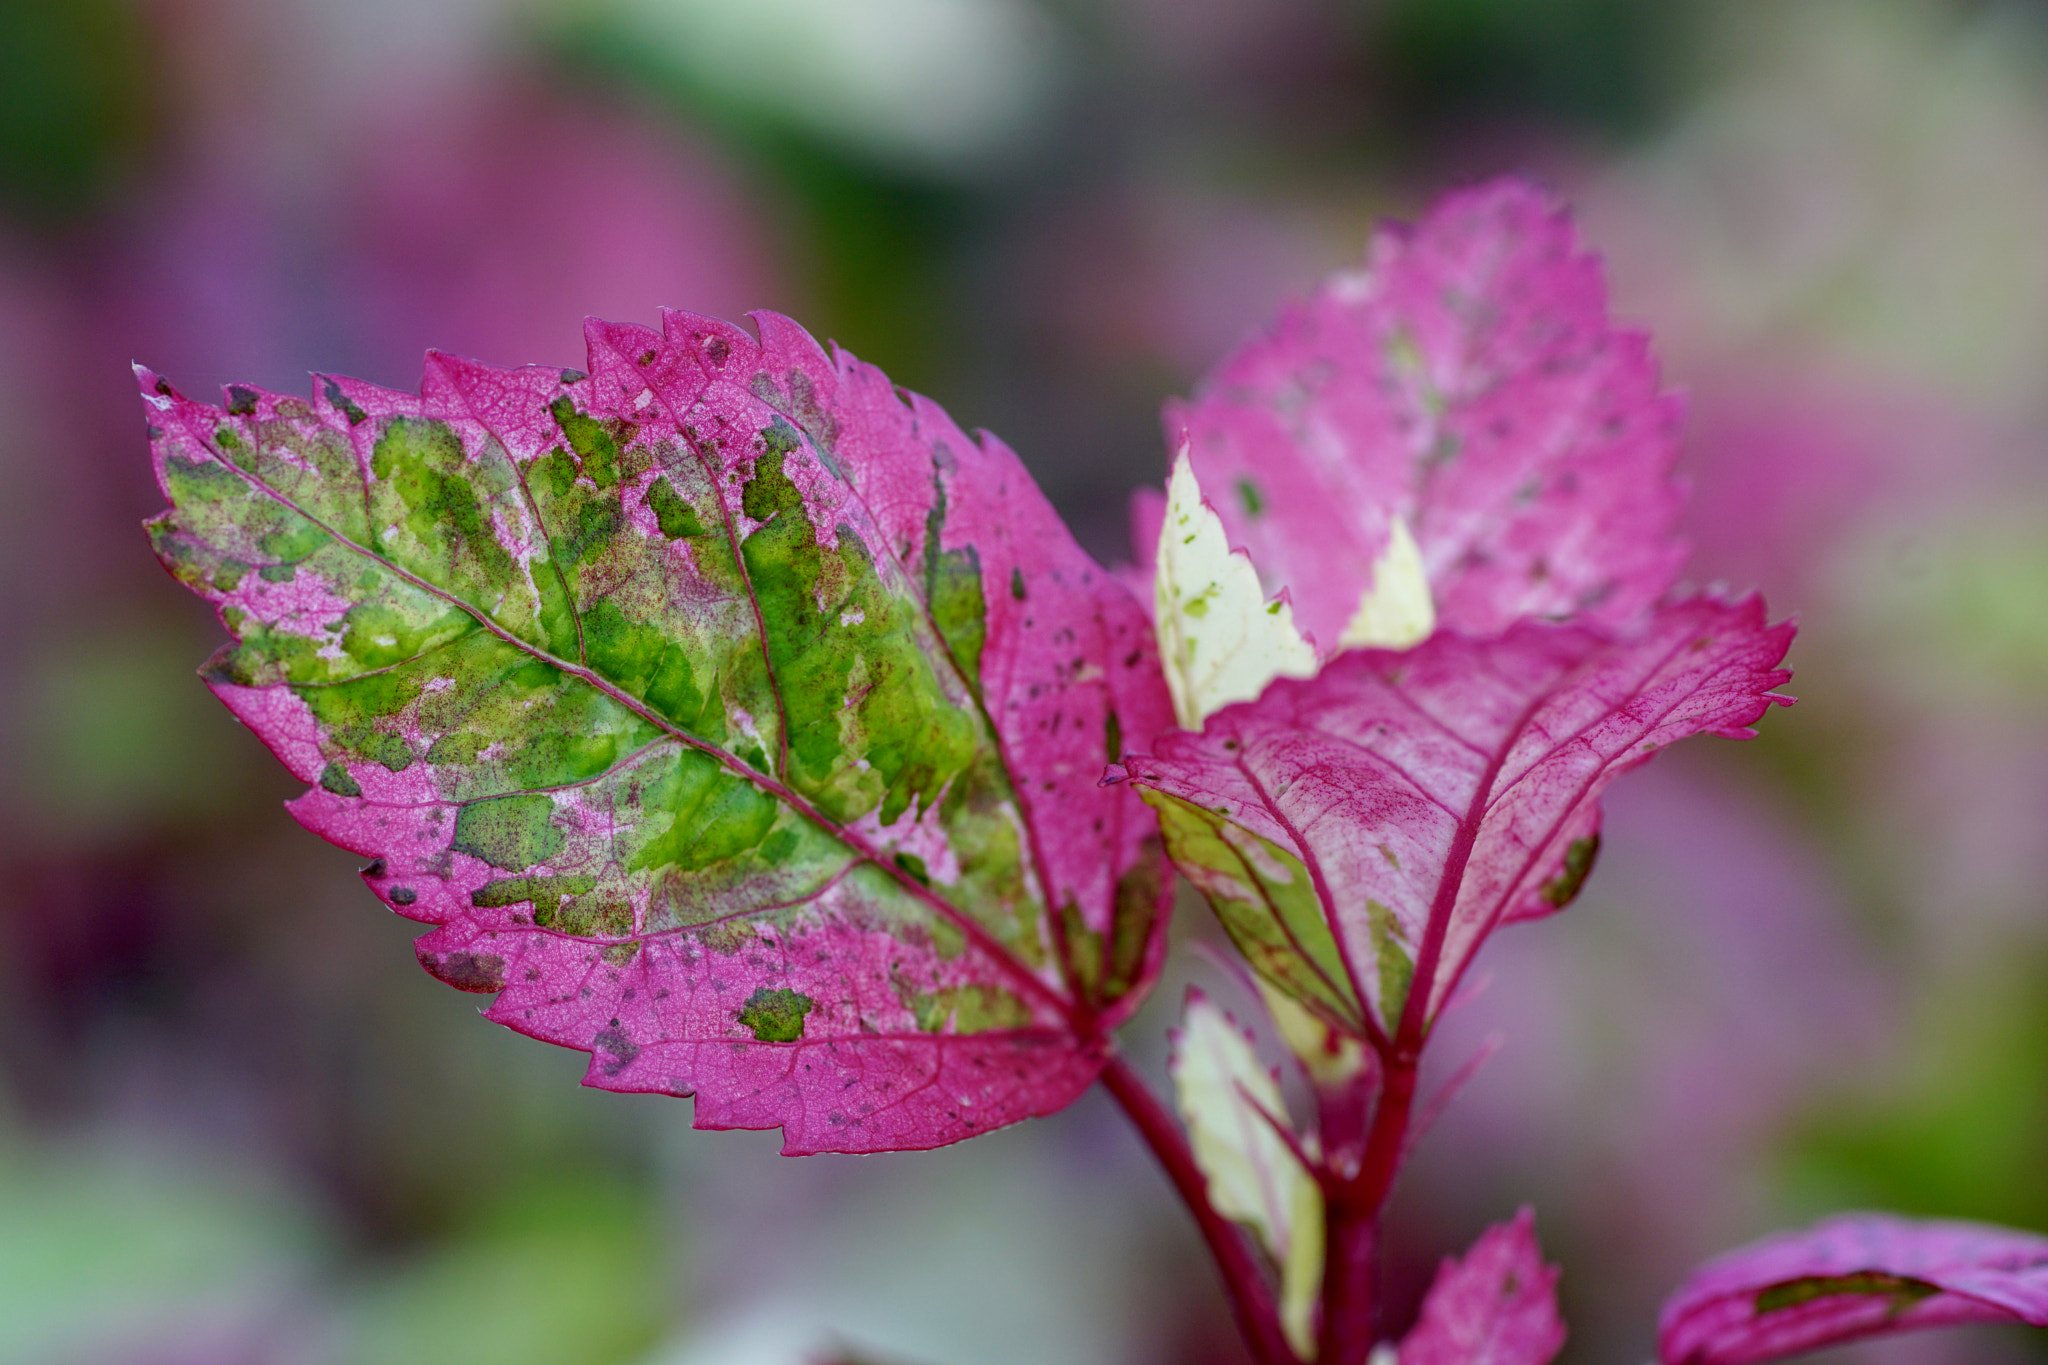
1251 1298
1352 1222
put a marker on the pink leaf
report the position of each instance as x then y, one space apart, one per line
734 716
1498 1306
1853 1276
1466 380
1361 832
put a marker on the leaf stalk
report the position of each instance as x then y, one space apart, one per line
1251 1296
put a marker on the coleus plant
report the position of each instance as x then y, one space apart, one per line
735 718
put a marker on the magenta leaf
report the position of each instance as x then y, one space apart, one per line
734 716
1361 832
1498 1306
1468 382
1853 1276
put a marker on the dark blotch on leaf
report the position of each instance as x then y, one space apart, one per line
776 1016
403 895
622 1048
480 972
1017 583
914 865
342 402
241 401
573 376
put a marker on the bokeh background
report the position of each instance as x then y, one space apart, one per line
237 1124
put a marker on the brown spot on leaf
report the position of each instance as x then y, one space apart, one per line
480 972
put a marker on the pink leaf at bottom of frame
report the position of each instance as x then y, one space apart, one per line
1854 1276
1497 1306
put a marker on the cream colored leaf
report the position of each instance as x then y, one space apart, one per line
1220 640
1228 1102
1396 611
1301 1274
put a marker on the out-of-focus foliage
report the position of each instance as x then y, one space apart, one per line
78 100
1807 980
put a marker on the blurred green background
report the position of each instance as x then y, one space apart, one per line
237 1124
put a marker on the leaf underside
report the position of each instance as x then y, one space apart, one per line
1851 1277
734 716
1361 832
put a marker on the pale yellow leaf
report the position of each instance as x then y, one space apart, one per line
1228 1100
1396 611
1220 639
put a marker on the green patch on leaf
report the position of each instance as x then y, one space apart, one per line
1107 966
511 832
1563 889
712 814
442 512
1903 1290
545 893
1390 952
952 589
1267 902
596 449
461 746
598 915
969 1009
870 722
335 778
776 1016
677 519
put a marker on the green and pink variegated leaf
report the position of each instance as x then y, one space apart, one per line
1468 383
735 717
1361 832
1497 1306
1854 1276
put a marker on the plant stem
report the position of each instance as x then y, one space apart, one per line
1251 1298
1352 1222
1351 1246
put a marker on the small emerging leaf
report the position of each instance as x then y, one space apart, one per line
1498 1306
735 717
1220 640
1854 1276
1230 1104
1361 832
1466 386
